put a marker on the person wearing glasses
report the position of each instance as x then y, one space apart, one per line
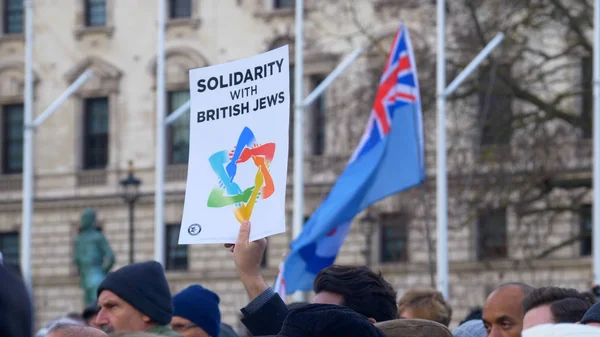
196 312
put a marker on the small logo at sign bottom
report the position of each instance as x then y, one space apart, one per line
194 229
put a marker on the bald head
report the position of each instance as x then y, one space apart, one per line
503 310
74 330
525 288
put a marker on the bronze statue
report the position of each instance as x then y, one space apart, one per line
93 256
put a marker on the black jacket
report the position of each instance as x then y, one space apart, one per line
16 311
267 316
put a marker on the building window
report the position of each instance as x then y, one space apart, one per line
393 238
12 138
177 255
318 118
9 247
180 9
95 133
491 235
587 98
284 3
95 13
292 102
13 16
585 230
179 130
495 107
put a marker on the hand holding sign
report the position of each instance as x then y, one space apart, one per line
247 257
237 169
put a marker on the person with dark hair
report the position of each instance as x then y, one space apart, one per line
503 310
358 288
550 305
426 304
73 330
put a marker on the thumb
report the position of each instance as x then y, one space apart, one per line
244 236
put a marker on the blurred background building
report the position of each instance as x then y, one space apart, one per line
519 137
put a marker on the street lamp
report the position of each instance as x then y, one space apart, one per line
130 191
367 226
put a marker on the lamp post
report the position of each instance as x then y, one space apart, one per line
367 226
130 191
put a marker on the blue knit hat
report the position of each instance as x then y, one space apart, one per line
200 306
145 287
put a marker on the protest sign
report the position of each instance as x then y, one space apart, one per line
237 170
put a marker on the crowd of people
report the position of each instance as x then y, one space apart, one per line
135 301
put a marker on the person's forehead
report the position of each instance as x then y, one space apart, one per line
504 301
108 296
180 320
537 316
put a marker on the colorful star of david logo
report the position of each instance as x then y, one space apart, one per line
225 163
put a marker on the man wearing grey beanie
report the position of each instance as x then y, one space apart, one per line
136 298
472 328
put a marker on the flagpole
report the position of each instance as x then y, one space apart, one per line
27 197
298 129
441 181
159 193
596 129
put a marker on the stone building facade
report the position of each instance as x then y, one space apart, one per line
83 150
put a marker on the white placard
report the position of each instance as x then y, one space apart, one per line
239 133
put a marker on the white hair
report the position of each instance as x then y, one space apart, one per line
62 322
57 324
562 330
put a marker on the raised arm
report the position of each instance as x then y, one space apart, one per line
265 313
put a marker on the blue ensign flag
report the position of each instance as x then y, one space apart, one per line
388 159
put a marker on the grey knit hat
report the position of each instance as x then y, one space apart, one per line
473 328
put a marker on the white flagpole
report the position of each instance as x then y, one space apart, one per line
298 128
596 129
27 209
441 181
159 193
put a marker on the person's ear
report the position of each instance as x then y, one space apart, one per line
146 319
372 320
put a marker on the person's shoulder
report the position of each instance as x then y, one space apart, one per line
164 331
